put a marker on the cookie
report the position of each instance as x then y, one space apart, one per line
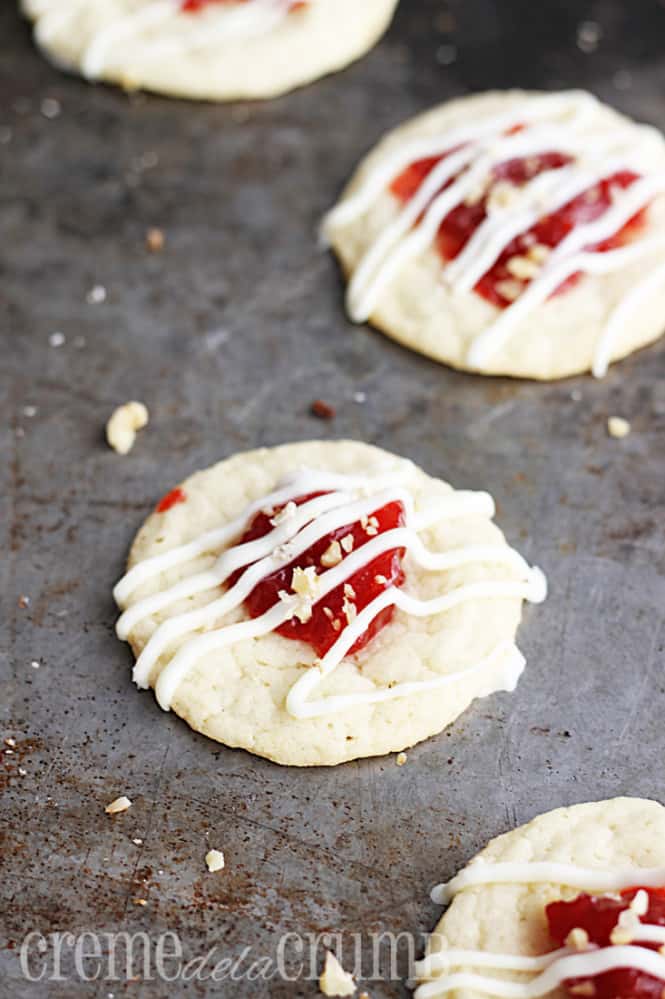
575 894
208 49
319 602
510 233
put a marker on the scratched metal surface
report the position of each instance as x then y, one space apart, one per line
228 335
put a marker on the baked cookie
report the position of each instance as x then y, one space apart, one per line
572 903
208 49
510 233
320 602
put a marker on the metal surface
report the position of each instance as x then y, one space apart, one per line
228 335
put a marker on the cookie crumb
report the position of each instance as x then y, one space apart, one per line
401 759
120 804
583 989
347 543
215 861
522 268
140 901
322 410
23 601
10 742
509 289
284 514
137 841
155 239
578 939
332 555
96 295
334 980
618 427
50 108
123 424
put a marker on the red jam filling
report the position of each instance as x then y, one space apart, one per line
460 224
176 496
192 6
328 615
598 916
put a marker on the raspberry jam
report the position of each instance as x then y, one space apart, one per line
176 496
192 6
328 615
598 916
460 224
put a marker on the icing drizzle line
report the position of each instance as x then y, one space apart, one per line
349 500
553 969
470 154
232 22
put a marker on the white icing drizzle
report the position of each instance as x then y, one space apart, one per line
295 530
563 968
480 872
232 22
556 123
553 969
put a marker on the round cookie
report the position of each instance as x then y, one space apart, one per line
455 234
598 848
450 640
208 49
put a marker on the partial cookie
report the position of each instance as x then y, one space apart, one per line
573 902
208 49
320 602
510 233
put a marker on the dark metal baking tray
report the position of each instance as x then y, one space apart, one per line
228 335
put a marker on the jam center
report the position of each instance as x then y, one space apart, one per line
332 613
192 6
501 285
598 917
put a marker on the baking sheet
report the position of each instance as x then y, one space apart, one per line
228 335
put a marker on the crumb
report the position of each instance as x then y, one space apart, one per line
50 108
523 268
509 289
118 805
323 410
305 582
618 427
30 411
123 424
332 555
10 742
583 989
578 939
589 34
359 397
56 339
22 772
335 981
35 664
347 543
137 842
539 253
215 861
139 901
96 295
284 514
155 240
401 759
23 601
